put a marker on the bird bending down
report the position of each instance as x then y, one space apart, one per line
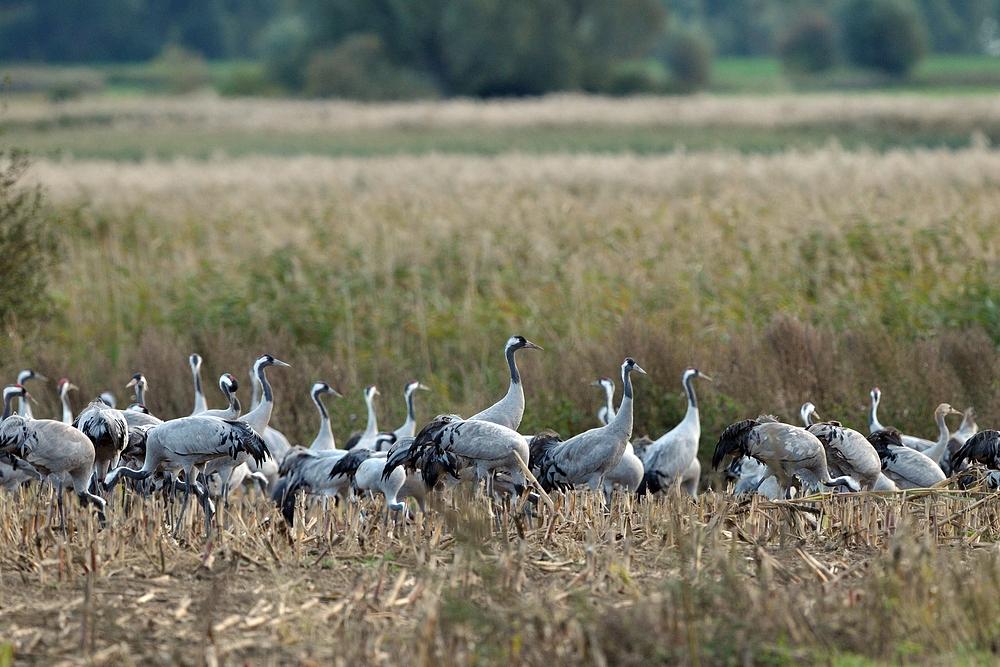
107 429
23 406
200 404
409 427
752 476
586 458
64 387
668 460
365 468
191 442
324 439
907 468
509 409
786 450
368 438
847 451
51 448
229 386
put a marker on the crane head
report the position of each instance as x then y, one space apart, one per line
517 341
29 374
876 394
65 386
414 385
195 361
629 365
692 372
227 381
323 388
265 360
371 391
137 379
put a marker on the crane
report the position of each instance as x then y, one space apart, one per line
409 427
509 409
324 439
847 451
786 450
64 387
667 460
200 404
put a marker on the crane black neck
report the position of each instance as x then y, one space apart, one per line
323 415
196 368
410 412
627 381
692 399
139 398
265 386
515 377
8 399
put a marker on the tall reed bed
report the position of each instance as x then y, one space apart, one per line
790 277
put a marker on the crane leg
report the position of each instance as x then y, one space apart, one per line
180 516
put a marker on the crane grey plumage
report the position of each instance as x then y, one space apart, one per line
200 404
485 446
409 427
366 468
509 409
752 476
607 411
277 443
64 387
669 459
109 399
935 452
587 458
788 451
966 430
191 442
983 448
847 451
137 414
51 448
367 439
229 387
907 468
23 406
107 430
308 471
324 439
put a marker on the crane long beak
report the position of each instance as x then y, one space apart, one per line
335 393
72 386
424 387
636 367
280 363
30 398
39 376
703 376
131 383
532 346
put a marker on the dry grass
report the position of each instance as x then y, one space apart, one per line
912 578
791 277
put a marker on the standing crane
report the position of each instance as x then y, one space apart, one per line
586 458
669 459
64 387
324 439
23 407
137 414
847 451
200 404
409 427
368 438
966 430
107 430
509 409
607 411
788 451
228 385
911 441
628 473
53 449
906 468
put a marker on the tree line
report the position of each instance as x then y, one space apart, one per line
412 48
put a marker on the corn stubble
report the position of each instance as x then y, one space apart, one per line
709 582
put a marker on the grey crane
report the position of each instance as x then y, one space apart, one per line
425 466
368 438
509 409
409 427
586 458
64 387
983 447
107 430
229 386
911 441
324 439
53 449
109 399
628 473
788 451
277 443
937 450
752 476
667 461
847 451
200 404
607 411
365 468
308 471
485 446
966 430
137 414
191 442
907 468
23 406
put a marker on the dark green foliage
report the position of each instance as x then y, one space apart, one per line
27 246
689 56
808 44
886 35
359 68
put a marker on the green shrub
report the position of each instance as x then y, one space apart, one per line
689 56
887 35
247 80
178 70
285 49
808 44
27 246
360 69
634 76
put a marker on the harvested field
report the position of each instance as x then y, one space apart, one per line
909 577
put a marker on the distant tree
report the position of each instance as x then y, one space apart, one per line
809 43
887 35
689 57
27 246
359 68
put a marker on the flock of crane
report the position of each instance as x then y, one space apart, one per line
212 451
